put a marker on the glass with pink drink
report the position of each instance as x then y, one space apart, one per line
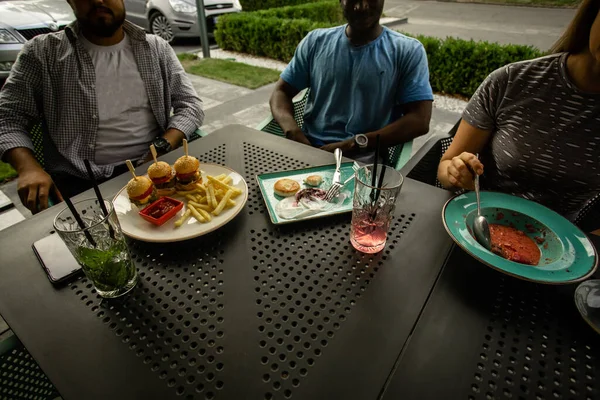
373 207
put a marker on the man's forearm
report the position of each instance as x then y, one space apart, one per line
22 159
283 112
174 137
402 130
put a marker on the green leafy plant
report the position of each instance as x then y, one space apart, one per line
456 66
253 5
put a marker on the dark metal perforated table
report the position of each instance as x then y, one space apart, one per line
484 335
251 311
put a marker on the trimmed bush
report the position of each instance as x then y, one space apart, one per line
254 5
456 66
269 37
329 12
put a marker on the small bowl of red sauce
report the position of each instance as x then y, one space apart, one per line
161 210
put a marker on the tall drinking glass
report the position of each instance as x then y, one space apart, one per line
587 300
106 262
373 207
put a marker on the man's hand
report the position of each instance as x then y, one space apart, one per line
34 187
298 136
461 168
346 146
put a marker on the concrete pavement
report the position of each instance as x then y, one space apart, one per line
539 27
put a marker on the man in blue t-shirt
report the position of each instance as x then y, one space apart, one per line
365 80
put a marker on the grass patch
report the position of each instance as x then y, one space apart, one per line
6 172
236 73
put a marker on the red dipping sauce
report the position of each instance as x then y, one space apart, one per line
161 210
514 245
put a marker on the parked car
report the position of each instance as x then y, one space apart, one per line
21 20
172 19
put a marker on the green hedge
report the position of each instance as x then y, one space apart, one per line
329 12
269 37
253 5
456 66
274 33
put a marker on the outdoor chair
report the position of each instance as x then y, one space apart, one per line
20 376
423 165
395 156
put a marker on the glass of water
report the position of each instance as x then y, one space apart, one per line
105 259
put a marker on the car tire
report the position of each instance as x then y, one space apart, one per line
160 26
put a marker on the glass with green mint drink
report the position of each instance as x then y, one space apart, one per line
106 262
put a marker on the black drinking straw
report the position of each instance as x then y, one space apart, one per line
88 166
374 169
378 191
79 221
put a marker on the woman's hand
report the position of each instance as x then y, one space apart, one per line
461 168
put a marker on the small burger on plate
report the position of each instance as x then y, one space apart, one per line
141 191
163 177
187 172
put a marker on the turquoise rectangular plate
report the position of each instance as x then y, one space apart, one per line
267 181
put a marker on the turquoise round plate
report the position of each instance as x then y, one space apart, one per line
567 254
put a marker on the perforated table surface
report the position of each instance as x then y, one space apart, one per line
251 311
484 335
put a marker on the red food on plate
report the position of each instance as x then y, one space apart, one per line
161 210
514 245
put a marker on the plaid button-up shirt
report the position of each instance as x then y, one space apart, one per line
54 81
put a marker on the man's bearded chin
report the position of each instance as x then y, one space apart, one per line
102 28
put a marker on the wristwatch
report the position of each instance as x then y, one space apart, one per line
361 141
162 145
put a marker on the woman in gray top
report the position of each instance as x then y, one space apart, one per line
536 125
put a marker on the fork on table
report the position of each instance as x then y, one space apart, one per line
336 187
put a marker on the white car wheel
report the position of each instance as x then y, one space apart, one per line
160 26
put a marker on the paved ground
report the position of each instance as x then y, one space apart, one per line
539 27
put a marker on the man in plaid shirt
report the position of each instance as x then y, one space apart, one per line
104 91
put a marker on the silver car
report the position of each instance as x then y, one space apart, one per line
21 20
172 19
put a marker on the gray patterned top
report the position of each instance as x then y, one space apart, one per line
545 134
54 80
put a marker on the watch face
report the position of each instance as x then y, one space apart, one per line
161 143
361 140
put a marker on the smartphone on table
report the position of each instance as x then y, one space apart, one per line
56 259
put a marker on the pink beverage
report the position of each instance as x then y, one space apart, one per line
368 235
373 207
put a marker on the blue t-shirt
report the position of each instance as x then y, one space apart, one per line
356 89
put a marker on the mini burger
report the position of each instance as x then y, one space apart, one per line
187 172
163 177
141 191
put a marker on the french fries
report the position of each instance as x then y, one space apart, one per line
210 193
199 217
183 218
224 186
205 214
222 203
197 206
209 199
